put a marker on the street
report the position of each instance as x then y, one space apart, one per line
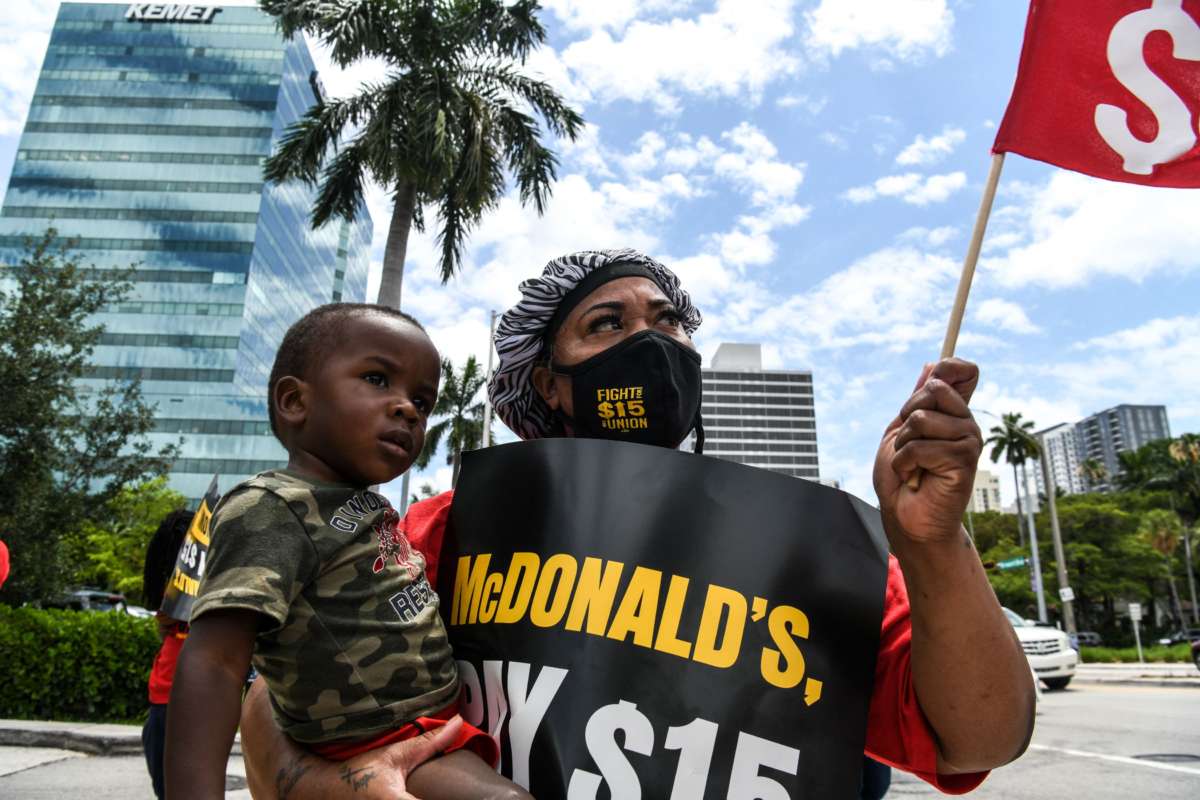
1091 741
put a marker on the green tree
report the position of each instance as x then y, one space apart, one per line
1162 530
110 550
65 449
462 423
1093 472
1013 441
454 116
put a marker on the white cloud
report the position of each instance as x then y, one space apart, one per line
835 140
923 152
650 146
753 166
1005 315
910 187
23 40
733 51
1075 229
587 15
813 105
902 29
935 237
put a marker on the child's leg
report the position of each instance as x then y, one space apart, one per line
462 775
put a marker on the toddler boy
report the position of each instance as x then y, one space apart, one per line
310 575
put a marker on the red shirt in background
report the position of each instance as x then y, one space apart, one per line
3 562
162 674
897 731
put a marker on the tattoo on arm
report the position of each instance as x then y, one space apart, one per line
290 775
357 778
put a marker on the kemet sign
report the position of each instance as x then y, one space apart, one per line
632 621
170 12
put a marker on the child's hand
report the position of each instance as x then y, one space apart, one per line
382 774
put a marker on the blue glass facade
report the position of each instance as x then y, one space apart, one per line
145 141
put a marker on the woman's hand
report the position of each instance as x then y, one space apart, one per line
279 769
933 440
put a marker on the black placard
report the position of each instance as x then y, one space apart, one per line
632 621
180 594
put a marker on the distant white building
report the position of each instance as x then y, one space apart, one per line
1100 437
986 494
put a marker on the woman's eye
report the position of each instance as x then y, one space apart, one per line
376 379
603 324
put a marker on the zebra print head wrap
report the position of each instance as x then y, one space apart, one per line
520 335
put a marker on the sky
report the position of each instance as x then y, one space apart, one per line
812 170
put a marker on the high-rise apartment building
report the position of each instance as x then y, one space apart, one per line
985 496
759 417
1099 438
145 142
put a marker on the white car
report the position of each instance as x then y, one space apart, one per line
1048 650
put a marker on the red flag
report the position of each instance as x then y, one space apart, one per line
1110 88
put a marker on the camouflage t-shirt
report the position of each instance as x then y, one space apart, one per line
352 644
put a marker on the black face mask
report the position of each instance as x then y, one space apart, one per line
645 389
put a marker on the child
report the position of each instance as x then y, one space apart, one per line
309 572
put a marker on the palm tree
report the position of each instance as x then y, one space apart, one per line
1014 441
1093 472
462 426
454 116
1162 530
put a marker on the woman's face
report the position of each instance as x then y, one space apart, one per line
613 312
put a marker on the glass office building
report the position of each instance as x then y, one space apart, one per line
764 418
145 142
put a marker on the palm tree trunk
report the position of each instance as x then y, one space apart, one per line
1020 513
396 249
1175 595
457 465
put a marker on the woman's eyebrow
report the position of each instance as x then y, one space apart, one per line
614 305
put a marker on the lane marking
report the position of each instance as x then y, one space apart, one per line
1116 759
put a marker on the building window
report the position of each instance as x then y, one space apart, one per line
159 374
194 103
148 130
121 185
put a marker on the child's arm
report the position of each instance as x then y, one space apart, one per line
206 701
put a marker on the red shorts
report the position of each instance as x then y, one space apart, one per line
469 738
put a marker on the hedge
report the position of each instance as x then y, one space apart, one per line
74 665
1180 653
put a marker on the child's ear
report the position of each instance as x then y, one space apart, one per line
291 401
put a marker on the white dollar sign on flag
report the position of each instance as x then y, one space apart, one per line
1175 135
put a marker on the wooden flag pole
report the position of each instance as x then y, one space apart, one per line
968 270
968 273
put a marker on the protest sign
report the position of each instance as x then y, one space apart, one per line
180 594
632 621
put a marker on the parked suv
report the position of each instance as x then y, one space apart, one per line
89 599
1048 649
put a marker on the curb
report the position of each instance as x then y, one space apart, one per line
69 737
1178 683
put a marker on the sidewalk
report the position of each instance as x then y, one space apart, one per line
1181 675
84 737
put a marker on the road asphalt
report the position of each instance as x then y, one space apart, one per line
1119 732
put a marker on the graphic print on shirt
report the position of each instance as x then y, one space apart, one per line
393 544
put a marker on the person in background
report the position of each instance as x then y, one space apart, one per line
160 562
3 563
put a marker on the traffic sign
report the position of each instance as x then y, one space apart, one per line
1135 612
1066 594
1012 563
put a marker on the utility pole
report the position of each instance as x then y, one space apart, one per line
487 402
1064 588
1035 561
1187 554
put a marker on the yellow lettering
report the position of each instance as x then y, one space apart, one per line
199 527
518 587
785 667
558 575
667 641
638 608
594 595
720 602
468 586
487 607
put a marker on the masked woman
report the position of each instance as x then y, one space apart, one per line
953 696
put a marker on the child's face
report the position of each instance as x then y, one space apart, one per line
369 401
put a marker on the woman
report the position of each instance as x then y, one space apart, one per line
953 696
